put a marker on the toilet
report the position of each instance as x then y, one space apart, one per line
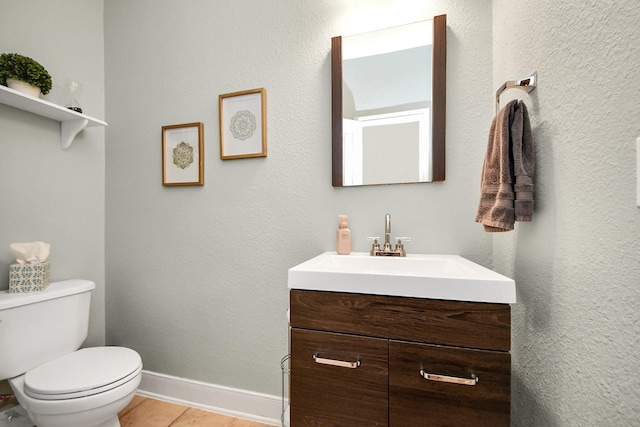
57 384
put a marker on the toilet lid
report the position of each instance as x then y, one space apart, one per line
82 373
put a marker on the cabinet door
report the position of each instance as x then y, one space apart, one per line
338 380
432 385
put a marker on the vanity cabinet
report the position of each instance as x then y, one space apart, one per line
374 360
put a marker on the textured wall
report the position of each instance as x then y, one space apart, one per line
198 276
48 194
577 269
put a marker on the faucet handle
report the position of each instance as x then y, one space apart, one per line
375 246
400 245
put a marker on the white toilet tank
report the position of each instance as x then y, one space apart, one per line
40 326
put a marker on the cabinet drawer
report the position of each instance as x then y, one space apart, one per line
336 396
456 323
443 401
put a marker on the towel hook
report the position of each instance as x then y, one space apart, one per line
527 84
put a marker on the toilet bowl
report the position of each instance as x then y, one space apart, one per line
84 388
54 382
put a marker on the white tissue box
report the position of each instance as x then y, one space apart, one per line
28 277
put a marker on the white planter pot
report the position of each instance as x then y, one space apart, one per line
24 87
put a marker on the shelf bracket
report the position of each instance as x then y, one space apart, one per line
69 129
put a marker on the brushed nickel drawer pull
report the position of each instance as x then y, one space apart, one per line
340 363
446 379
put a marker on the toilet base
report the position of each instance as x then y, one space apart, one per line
112 422
15 417
78 419
99 410
90 418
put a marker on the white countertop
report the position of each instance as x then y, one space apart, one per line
447 277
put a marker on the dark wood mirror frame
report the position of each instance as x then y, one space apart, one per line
439 102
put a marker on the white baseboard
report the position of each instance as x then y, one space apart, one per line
250 405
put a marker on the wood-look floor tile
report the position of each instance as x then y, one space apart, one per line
198 417
134 402
146 412
239 422
152 413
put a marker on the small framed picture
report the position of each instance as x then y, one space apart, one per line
183 154
243 124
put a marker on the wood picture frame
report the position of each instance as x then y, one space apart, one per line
243 124
183 154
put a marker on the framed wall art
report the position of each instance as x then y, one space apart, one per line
183 154
243 124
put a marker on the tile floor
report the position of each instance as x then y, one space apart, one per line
145 412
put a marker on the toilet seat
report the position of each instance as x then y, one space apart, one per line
86 372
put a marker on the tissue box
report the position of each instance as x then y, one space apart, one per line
28 277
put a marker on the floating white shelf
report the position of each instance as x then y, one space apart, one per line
71 122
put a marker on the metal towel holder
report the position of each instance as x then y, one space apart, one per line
527 84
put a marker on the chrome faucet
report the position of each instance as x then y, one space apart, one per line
387 232
386 249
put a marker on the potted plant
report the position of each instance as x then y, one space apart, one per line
15 70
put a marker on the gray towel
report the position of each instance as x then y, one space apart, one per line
508 171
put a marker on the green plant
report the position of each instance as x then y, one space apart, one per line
15 66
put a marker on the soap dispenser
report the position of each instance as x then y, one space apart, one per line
343 237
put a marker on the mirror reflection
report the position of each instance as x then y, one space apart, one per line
384 112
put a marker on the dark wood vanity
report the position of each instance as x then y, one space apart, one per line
375 360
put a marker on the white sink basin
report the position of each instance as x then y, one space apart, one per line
448 277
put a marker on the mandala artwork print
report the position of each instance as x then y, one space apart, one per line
183 155
243 125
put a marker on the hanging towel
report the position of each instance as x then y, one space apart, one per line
508 171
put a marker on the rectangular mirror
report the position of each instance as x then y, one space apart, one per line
388 105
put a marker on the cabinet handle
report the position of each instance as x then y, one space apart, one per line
340 363
446 379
